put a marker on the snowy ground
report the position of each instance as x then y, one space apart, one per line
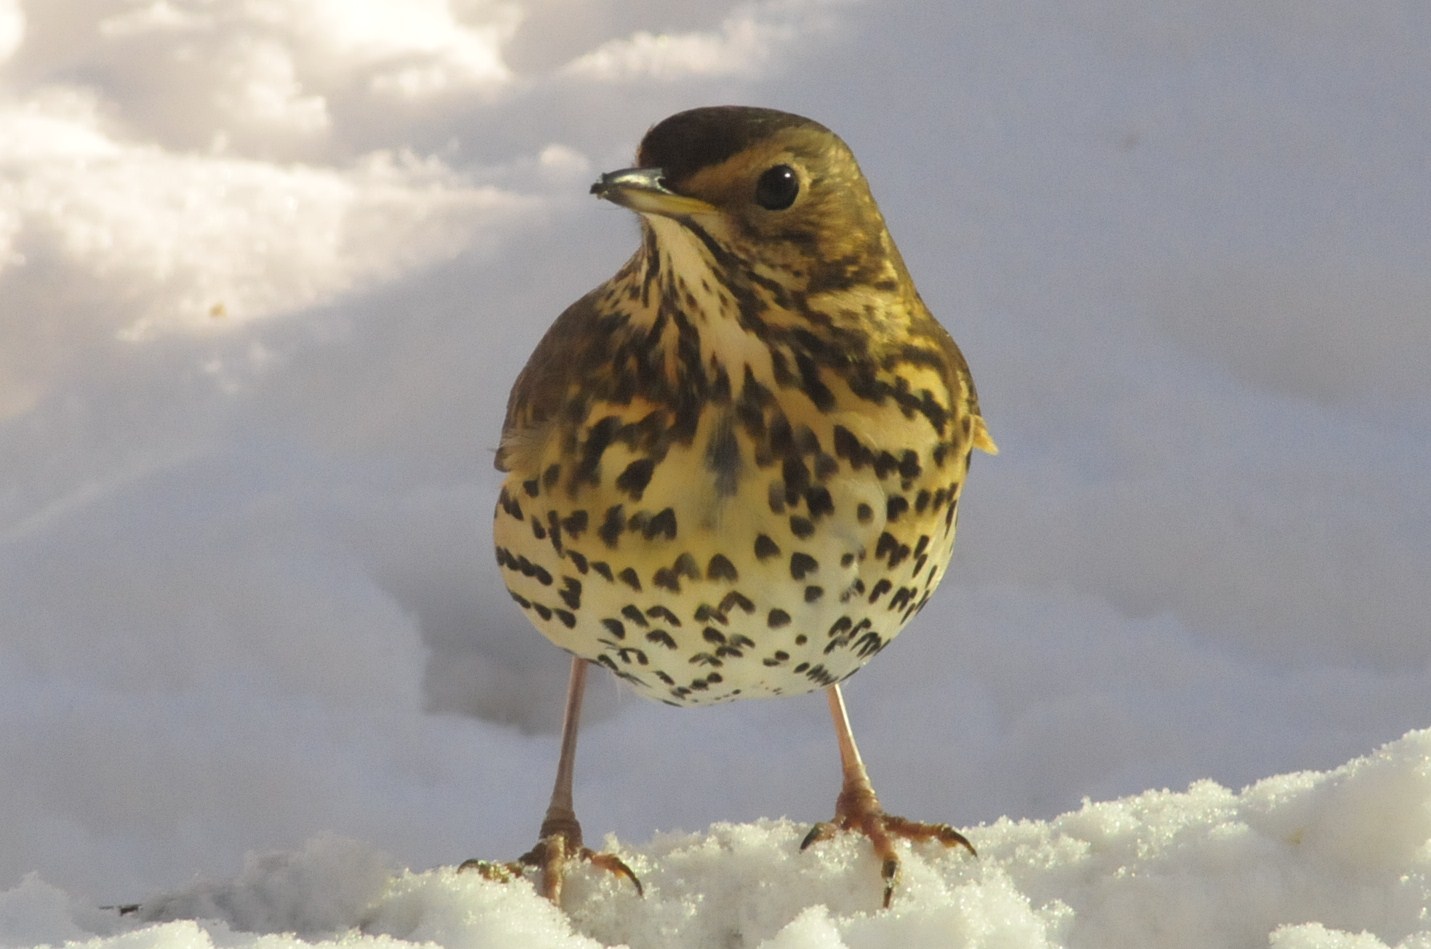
266 274
1304 861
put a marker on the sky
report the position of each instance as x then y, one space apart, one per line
268 271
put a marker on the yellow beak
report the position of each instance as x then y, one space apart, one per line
644 190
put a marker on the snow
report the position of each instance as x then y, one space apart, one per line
267 272
1333 860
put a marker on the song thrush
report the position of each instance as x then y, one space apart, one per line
733 469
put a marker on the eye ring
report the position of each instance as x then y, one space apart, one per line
777 188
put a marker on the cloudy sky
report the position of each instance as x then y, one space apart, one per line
267 272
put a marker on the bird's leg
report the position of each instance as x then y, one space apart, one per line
560 835
858 809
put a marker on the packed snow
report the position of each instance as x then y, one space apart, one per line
267 272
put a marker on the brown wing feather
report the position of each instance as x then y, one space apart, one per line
559 362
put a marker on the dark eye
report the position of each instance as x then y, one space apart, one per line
777 188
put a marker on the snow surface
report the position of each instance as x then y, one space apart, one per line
1336 860
267 272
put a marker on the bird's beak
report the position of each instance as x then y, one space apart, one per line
644 190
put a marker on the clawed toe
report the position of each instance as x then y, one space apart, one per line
612 864
497 872
551 858
881 828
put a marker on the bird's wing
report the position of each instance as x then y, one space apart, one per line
558 364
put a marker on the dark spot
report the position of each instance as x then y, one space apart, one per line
813 593
777 618
571 592
864 512
629 653
613 525
661 638
723 456
797 478
615 627
850 448
661 524
660 612
629 577
909 467
818 502
634 614
813 386
685 566
735 599
720 568
869 644
802 564
880 589
899 556
765 548
895 508
801 527
598 437
705 612
781 440
637 475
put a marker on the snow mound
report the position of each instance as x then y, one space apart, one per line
1334 860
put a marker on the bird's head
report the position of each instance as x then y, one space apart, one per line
773 192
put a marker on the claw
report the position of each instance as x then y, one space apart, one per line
612 864
821 831
880 827
889 872
550 858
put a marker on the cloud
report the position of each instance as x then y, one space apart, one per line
12 28
744 45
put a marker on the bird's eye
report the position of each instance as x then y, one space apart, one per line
777 188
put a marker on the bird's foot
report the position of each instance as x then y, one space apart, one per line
861 812
550 857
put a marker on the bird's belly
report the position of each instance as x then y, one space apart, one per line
707 585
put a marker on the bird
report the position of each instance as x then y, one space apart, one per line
733 470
